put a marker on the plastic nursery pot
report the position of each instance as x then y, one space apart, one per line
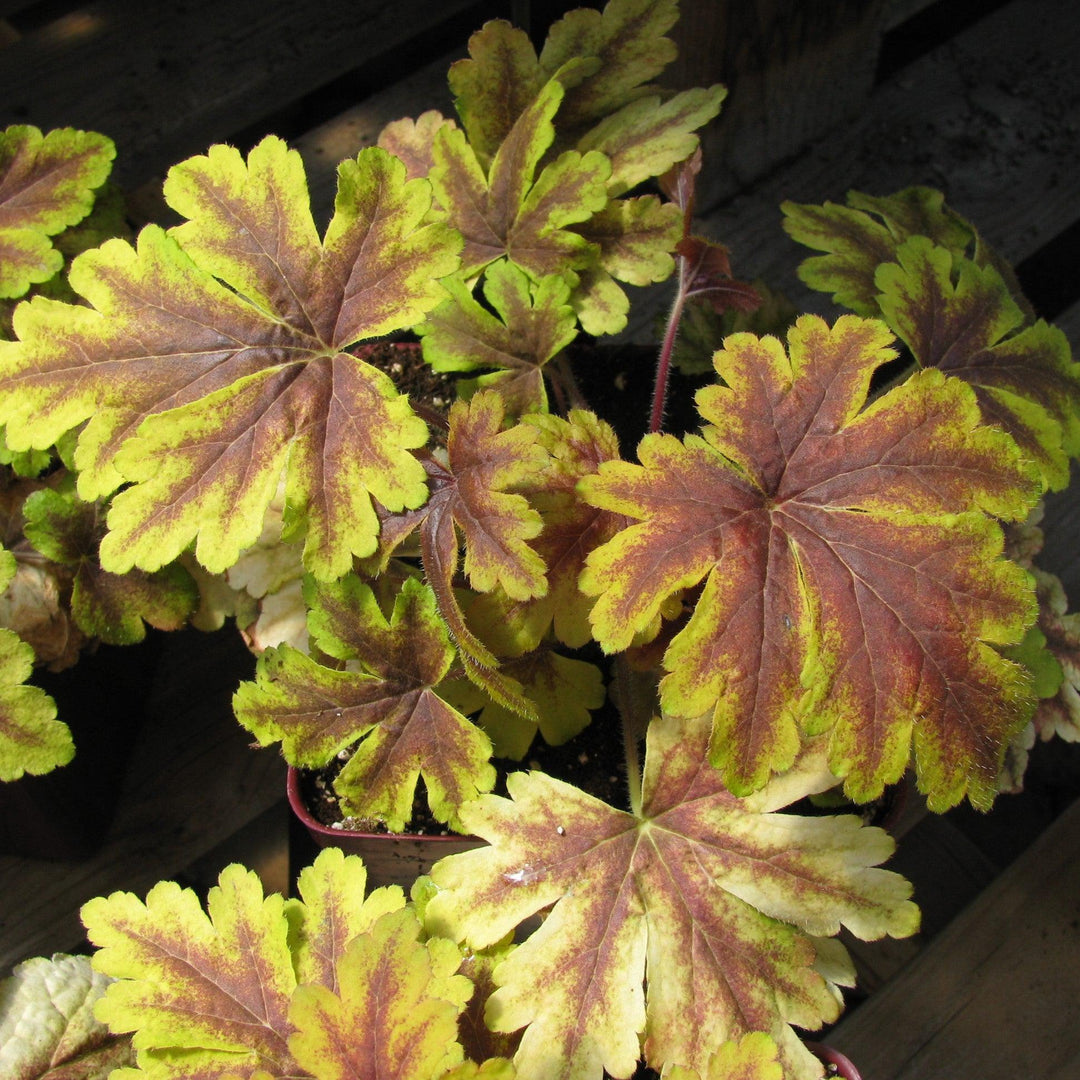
836 1064
66 813
390 858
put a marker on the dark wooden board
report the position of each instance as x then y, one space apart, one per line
995 996
167 80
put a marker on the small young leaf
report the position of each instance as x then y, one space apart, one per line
509 210
852 578
395 1012
47 183
533 323
32 740
563 690
114 608
692 923
47 1025
413 141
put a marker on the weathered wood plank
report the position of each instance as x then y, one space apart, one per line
993 998
193 781
166 80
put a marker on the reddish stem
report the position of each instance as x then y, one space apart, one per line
663 364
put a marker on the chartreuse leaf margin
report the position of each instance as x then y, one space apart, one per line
853 577
692 923
212 359
330 986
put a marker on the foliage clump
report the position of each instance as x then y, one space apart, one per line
811 590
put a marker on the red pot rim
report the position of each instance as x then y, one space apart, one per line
296 802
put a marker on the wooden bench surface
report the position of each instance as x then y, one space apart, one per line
996 996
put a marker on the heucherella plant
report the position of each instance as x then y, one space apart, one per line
813 589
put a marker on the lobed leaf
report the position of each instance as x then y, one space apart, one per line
650 135
113 608
511 210
861 236
213 988
401 728
692 923
47 183
496 83
32 740
853 581
960 317
530 325
397 1004
47 1025
576 446
627 38
563 690
212 360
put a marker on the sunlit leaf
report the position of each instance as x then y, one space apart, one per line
47 183
530 325
47 1025
400 727
395 1011
213 987
212 361
32 740
753 1057
852 578
693 922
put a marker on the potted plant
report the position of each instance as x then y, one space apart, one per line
809 591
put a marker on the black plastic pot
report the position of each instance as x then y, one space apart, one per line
66 814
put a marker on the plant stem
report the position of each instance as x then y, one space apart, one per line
663 363
634 701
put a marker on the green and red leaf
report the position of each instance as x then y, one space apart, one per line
209 990
47 183
531 324
859 237
692 924
576 446
114 608
213 360
510 210
627 38
32 740
394 1013
400 727
961 317
853 580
